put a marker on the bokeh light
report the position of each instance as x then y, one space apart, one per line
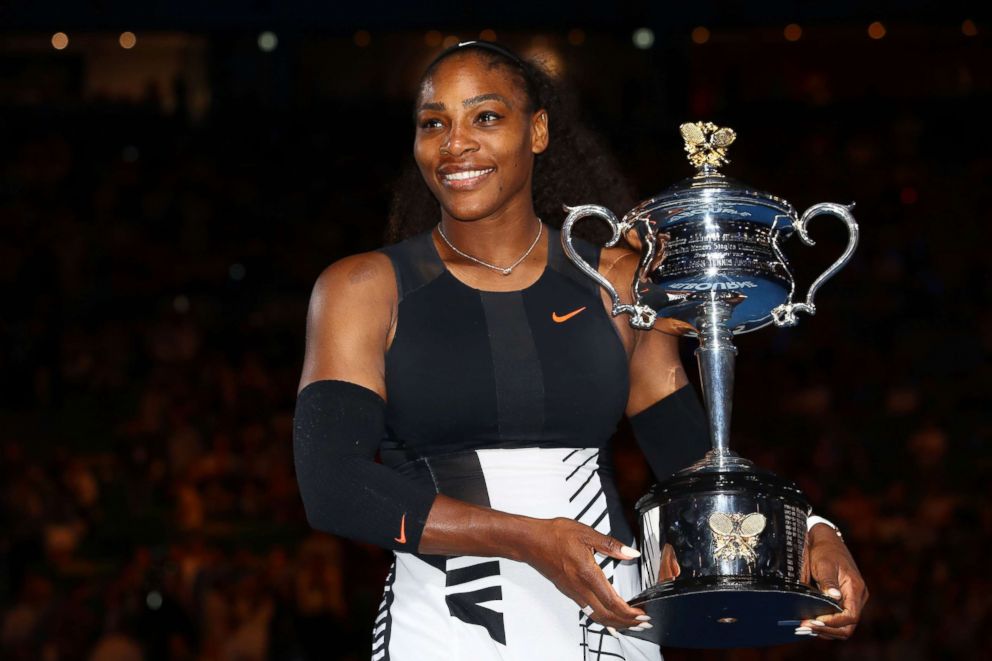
576 36
700 35
968 28
267 41
876 30
793 32
643 38
60 40
127 40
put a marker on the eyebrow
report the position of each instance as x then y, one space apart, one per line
492 96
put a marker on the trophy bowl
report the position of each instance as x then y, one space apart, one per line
723 542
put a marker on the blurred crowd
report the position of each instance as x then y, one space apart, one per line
155 275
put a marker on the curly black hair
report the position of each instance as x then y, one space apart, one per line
576 168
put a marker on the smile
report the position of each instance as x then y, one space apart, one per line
465 178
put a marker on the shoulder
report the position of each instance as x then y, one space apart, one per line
367 276
357 293
352 311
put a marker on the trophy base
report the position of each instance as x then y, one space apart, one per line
728 611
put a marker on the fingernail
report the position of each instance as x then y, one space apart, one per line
644 625
643 618
817 623
613 632
804 631
834 592
629 552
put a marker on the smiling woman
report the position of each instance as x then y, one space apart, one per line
485 370
574 166
475 150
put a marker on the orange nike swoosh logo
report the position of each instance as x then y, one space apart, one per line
558 319
402 538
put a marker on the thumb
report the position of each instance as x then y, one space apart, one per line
614 548
829 586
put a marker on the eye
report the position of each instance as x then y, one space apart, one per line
488 117
430 123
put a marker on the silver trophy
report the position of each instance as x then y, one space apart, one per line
723 542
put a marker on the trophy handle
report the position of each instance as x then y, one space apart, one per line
785 314
642 317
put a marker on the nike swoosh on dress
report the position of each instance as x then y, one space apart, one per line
559 319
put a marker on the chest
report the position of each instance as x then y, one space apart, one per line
469 369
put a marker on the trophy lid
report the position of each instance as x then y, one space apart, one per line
706 146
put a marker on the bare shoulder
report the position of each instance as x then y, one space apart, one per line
368 275
351 315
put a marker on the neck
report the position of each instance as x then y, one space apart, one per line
498 240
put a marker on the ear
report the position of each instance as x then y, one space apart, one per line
539 131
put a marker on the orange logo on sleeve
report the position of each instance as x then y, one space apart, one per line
402 538
559 319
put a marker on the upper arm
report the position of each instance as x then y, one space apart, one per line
655 366
351 315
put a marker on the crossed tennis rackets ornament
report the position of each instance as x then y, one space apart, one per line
735 535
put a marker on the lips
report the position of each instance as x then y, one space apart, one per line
464 178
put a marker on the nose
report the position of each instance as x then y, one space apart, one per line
458 141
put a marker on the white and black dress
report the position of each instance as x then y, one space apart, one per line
504 399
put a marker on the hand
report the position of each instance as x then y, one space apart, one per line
834 571
562 551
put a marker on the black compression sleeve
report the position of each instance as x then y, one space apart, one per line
673 432
336 431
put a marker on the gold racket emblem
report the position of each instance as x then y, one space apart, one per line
735 535
706 143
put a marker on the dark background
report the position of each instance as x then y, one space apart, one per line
165 209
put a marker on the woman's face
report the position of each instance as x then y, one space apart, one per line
476 139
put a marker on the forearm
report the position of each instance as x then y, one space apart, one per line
673 432
455 527
337 428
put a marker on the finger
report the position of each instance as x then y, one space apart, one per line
837 620
852 597
603 615
833 633
622 613
611 546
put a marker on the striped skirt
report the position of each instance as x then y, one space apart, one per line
492 609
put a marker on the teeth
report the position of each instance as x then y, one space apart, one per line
468 174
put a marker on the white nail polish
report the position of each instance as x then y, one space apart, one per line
804 631
834 592
645 625
817 623
643 618
613 632
629 552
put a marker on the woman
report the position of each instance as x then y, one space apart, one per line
486 370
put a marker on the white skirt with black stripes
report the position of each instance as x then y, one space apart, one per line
487 609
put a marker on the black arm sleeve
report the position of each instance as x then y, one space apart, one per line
673 432
336 431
